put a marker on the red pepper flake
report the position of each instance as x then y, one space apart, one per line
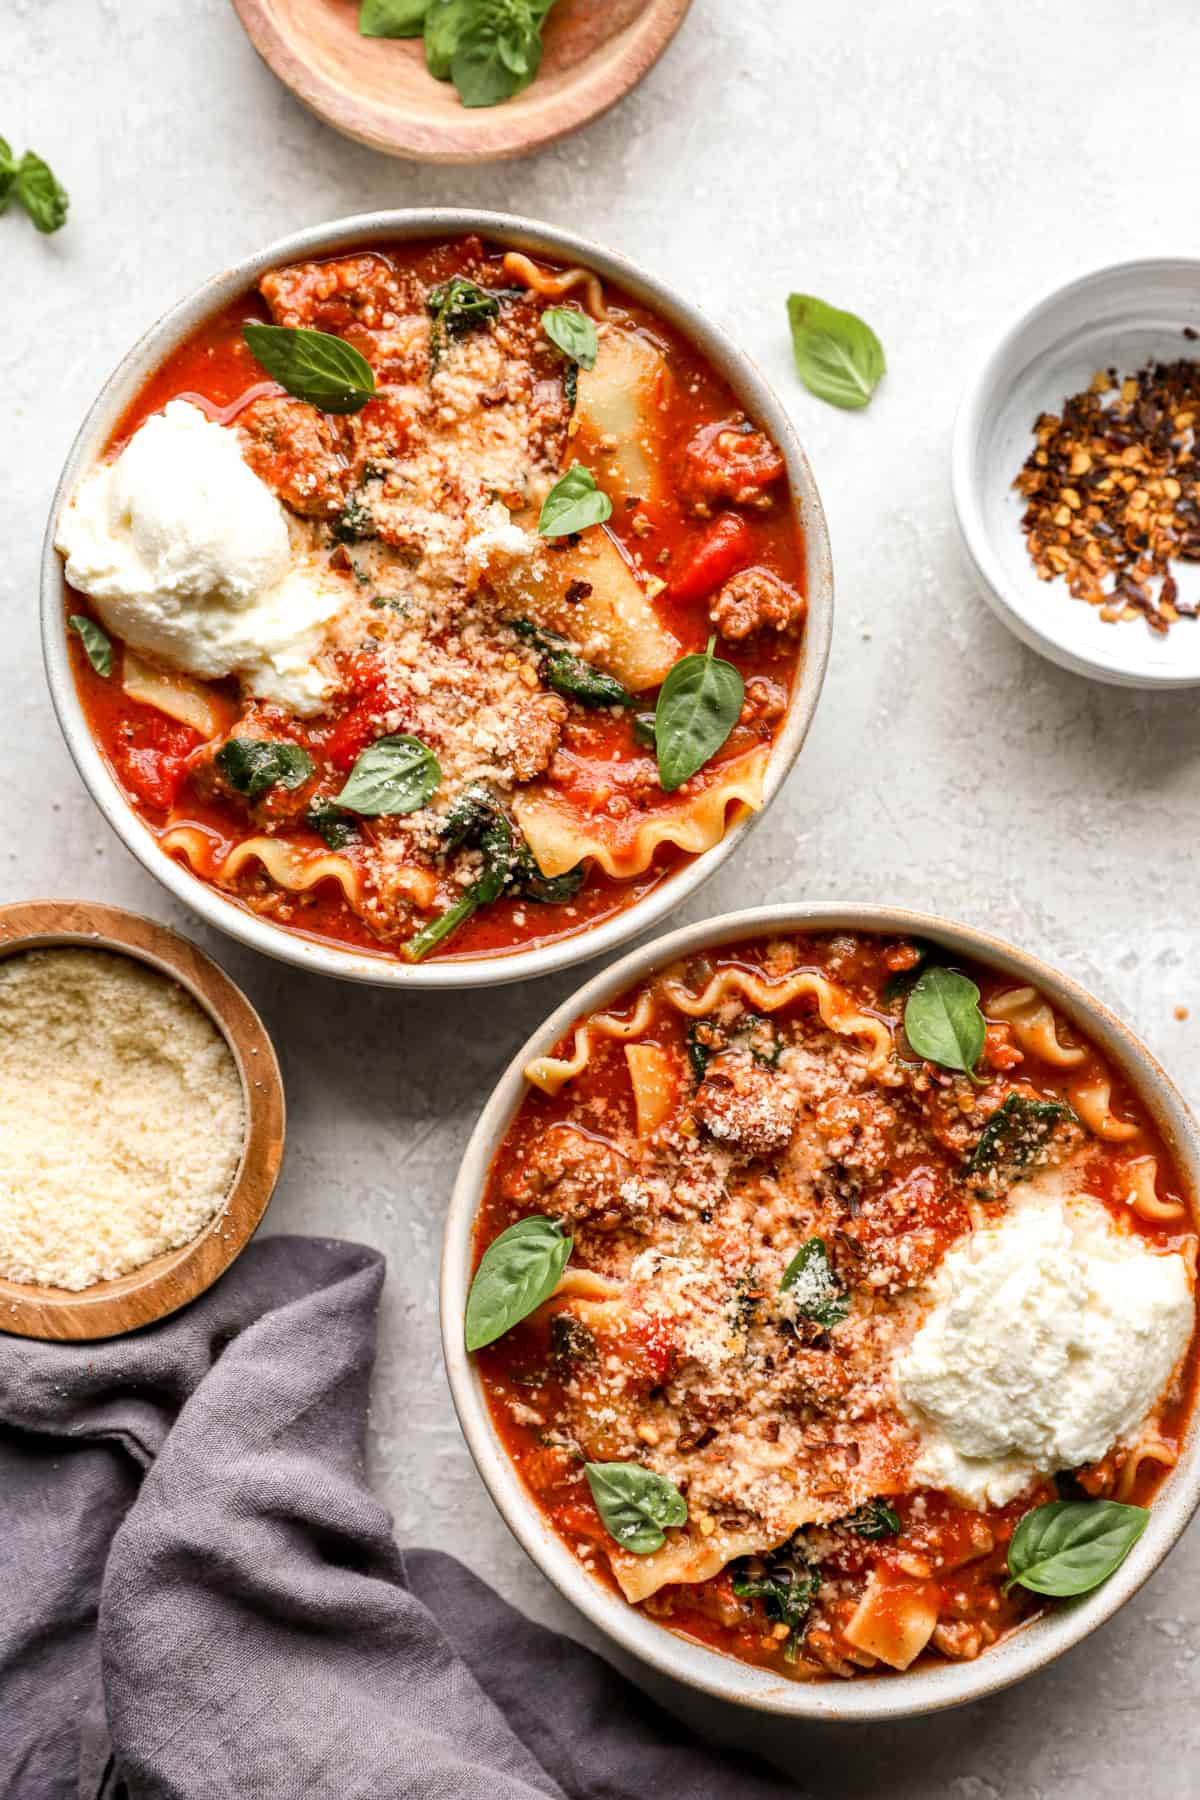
1113 488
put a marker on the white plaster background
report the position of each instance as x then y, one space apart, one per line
928 163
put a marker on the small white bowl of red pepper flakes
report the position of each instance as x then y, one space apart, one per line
1076 468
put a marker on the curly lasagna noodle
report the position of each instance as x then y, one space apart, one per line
315 581
860 1311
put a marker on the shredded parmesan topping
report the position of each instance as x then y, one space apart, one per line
121 1117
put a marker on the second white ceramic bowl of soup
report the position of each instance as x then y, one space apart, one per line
121 391
926 1687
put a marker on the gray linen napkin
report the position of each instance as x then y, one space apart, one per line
201 1600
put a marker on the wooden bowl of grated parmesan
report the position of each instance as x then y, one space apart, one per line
141 1119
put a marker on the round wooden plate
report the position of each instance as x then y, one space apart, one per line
379 91
171 1280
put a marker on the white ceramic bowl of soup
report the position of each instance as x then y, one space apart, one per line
122 389
923 1688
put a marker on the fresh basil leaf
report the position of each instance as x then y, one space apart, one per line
40 193
838 357
394 775
574 333
252 765
573 503
1015 1139
494 62
392 18
8 173
96 642
942 1020
874 1520
567 673
642 726
636 1505
518 1270
815 1291
1071 1546
313 365
698 706
787 1586
334 827
444 22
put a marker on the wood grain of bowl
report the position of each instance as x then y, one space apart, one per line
378 90
169 1281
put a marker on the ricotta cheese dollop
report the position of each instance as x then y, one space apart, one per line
190 558
1051 1335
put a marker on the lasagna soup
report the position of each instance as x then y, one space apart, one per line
789 1310
460 633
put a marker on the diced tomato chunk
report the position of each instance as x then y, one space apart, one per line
725 549
360 725
153 763
650 1346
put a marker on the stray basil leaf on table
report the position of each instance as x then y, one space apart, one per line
837 355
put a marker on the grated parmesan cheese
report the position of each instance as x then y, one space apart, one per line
121 1117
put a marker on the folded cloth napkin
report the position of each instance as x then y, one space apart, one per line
201 1600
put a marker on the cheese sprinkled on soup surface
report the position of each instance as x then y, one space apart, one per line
397 675
835 1316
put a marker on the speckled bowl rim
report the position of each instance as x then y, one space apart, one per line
149 353
890 1697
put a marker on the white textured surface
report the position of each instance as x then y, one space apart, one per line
929 163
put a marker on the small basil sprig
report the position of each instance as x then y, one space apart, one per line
636 1505
573 503
392 18
394 775
96 642
574 333
31 182
838 357
324 370
815 1290
490 49
567 673
252 765
518 1271
698 706
942 1020
1070 1546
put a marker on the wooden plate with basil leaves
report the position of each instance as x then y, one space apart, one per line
459 81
